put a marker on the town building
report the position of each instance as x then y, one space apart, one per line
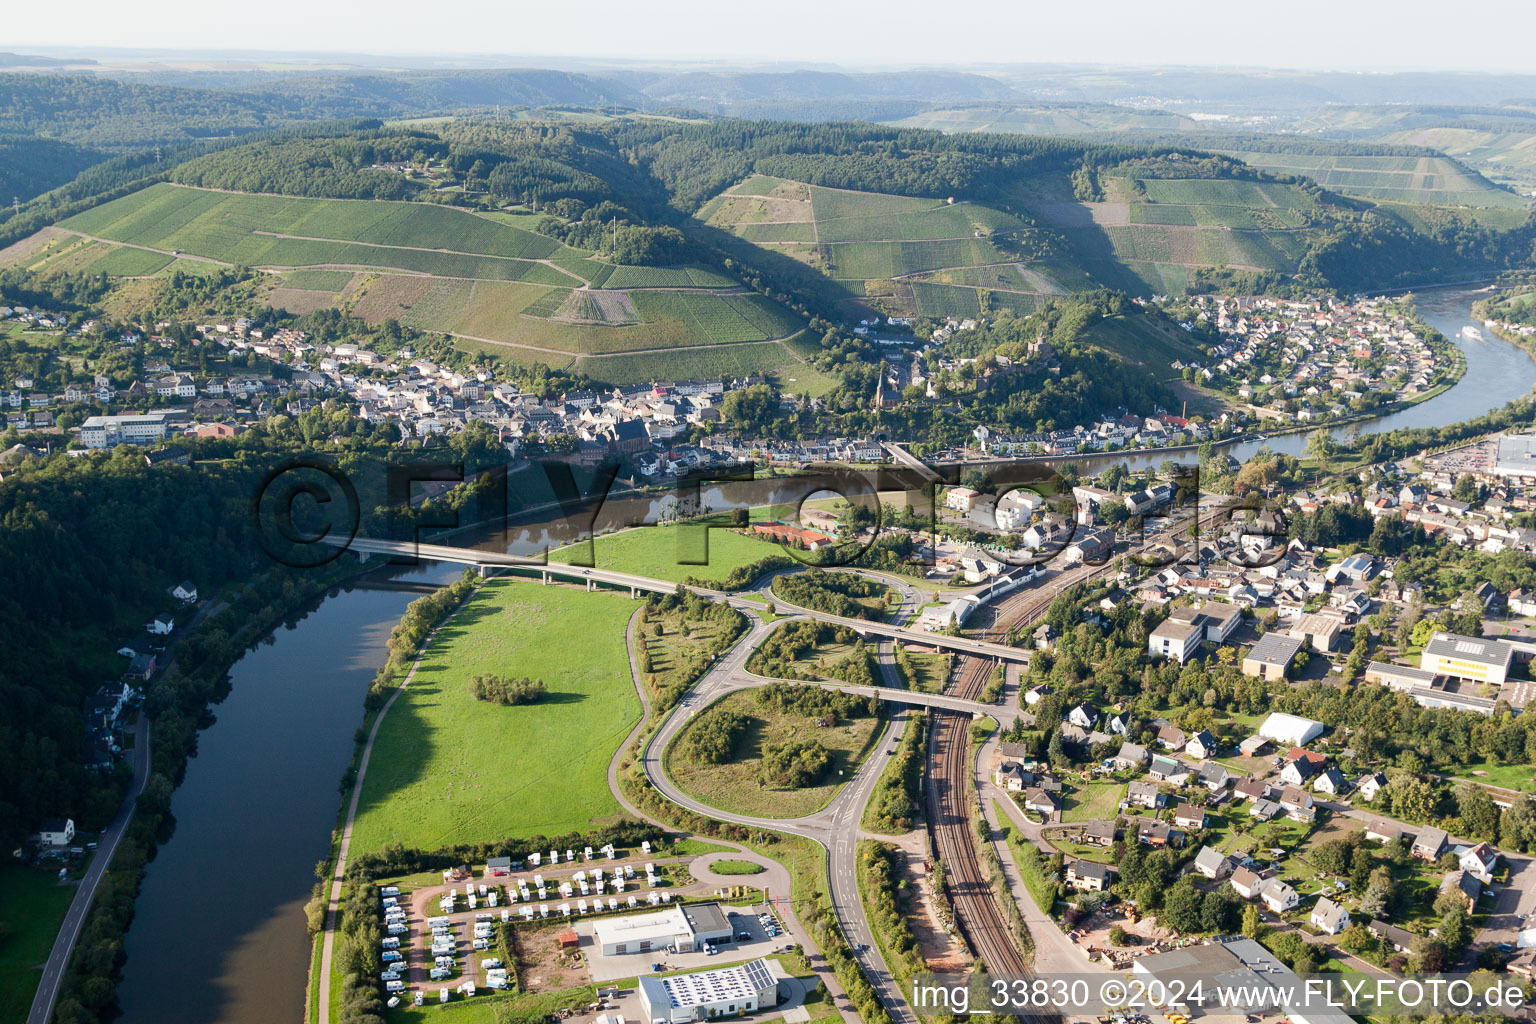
138 428
1468 658
1272 656
1176 639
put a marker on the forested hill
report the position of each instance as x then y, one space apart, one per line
1139 218
107 113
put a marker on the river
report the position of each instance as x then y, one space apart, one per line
219 933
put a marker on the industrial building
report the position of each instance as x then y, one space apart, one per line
1468 658
684 928
724 992
1237 965
1271 657
1516 457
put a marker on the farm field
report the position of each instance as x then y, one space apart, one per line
1434 180
933 258
712 361
1047 120
734 787
433 268
448 768
875 243
35 905
221 224
1507 157
659 551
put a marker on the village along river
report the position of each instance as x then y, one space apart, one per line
219 938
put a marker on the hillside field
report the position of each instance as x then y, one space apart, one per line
937 258
1432 180
501 288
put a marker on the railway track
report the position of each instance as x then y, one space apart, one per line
977 913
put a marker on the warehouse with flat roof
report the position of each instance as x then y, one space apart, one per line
1516 457
684 928
1466 657
724 992
1237 965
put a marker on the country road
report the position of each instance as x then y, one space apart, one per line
79 908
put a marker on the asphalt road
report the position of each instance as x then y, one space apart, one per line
835 827
64 946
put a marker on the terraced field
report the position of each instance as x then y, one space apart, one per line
881 247
937 258
1435 180
489 280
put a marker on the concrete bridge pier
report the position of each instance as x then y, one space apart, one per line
634 593
544 578
591 585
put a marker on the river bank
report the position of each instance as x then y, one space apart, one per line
220 935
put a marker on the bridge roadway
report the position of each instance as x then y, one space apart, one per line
645 584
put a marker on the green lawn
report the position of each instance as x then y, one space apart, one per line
734 786
1092 801
671 552
32 905
448 768
737 867
1506 776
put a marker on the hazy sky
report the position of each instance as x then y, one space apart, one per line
1491 35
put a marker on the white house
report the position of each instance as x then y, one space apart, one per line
161 624
1212 863
1202 745
1479 862
1331 782
185 591
1297 804
1246 883
1328 916
1370 785
1278 896
56 832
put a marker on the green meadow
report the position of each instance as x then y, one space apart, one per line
448 768
670 552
